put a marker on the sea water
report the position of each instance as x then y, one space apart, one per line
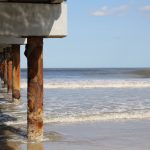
77 95
86 97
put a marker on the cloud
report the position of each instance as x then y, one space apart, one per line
146 8
104 11
107 11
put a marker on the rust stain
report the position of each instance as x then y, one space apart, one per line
9 71
31 104
34 55
40 125
16 72
16 94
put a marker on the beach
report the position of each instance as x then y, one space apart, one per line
85 109
111 135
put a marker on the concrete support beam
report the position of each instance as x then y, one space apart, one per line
9 71
16 74
8 40
26 19
35 88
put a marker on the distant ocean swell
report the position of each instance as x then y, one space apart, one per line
143 83
102 117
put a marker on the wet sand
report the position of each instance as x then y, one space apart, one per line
110 135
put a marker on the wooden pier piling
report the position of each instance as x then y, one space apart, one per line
5 69
16 73
9 71
32 20
1 65
34 54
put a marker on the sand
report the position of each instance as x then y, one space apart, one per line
108 135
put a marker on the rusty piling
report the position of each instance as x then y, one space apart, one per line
16 74
5 69
34 53
9 71
1 65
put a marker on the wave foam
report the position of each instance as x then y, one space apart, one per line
94 84
106 117
92 118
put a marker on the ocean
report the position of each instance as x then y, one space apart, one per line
82 107
76 95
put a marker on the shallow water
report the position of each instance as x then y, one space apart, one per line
106 135
79 105
88 95
72 95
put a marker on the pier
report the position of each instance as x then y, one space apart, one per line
28 22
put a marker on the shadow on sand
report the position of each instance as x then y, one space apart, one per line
11 136
7 131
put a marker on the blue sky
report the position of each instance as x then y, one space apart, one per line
102 33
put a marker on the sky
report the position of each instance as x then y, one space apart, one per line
101 34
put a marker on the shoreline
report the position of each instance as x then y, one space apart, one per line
107 135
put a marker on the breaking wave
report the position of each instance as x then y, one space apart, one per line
90 118
106 117
87 84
